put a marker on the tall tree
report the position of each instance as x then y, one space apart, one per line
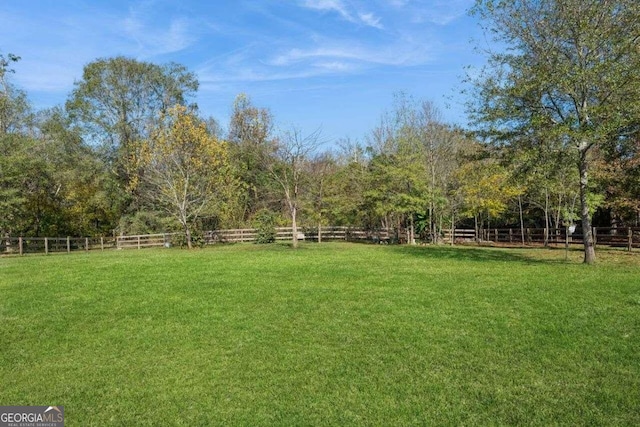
569 72
187 168
118 101
440 146
251 143
320 169
346 187
288 169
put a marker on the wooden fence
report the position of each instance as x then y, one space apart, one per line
304 233
47 245
624 237
144 241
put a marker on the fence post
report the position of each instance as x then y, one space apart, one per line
139 246
46 246
86 244
68 245
510 236
102 244
20 245
594 230
630 237
496 235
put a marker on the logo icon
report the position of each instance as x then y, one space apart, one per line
32 416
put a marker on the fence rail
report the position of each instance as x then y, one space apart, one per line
305 233
624 237
143 241
47 245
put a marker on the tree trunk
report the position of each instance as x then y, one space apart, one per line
475 218
187 234
294 226
432 223
589 249
546 217
412 236
453 226
521 219
7 242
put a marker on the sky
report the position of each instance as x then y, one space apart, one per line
328 64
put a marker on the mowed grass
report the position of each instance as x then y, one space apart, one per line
330 334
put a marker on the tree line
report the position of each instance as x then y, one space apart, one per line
554 141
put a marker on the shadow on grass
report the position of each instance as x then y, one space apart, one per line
482 254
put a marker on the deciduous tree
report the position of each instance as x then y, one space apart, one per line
251 143
569 72
187 168
288 168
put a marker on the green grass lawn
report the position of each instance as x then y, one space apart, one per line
330 334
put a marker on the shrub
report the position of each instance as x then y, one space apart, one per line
265 224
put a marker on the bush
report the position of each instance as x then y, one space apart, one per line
265 224
180 239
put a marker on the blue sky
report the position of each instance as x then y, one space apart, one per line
334 64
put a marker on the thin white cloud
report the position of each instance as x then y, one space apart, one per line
396 55
213 78
297 64
371 20
338 6
157 39
329 5
441 12
335 66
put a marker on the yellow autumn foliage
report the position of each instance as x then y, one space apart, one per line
187 167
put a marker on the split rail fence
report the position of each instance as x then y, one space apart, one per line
286 233
624 237
49 245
